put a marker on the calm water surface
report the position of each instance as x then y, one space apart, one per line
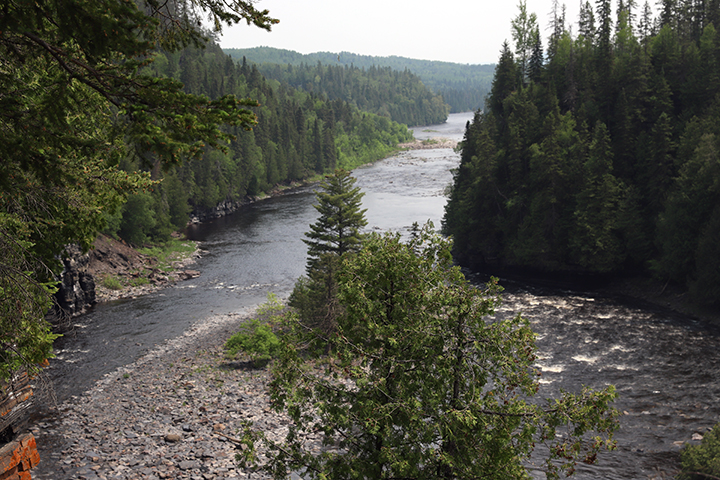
666 367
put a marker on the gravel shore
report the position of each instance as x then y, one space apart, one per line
172 414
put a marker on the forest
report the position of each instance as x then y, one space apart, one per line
463 87
599 154
127 120
398 95
299 134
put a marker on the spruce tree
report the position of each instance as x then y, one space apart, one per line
335 234
337 231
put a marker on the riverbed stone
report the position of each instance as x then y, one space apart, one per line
176 413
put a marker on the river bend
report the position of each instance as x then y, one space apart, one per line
666 367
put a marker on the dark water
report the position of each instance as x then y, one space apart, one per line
666 367
256 251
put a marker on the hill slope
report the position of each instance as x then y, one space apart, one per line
463 86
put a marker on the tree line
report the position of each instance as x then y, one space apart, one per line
599 154
396 94
463 87
298 134
113 117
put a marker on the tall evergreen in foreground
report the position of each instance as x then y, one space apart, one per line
336 234
337 231
605 158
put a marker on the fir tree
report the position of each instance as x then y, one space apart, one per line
335 234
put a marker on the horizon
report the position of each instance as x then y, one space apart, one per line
357 54
477 29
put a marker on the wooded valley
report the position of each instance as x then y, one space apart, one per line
599 155
463 87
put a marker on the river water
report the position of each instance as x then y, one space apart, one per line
666 367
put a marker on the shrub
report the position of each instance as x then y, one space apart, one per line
256 338
112 283
702 461
140 281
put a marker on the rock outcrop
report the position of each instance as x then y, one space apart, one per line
76 291
200 214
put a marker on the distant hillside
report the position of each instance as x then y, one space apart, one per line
462 86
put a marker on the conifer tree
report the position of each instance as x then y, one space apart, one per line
418 384
336 233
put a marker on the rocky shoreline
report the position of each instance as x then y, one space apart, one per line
429 144
172 414
138 274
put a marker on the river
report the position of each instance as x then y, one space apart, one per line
665 366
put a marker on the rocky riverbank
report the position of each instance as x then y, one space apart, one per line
136 273
429 144
173 414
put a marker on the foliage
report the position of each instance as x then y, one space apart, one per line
74 103
256 338
173 250
336 233
398 95
418 383
337 230
604 159
113 283
463 87
25 340
702 461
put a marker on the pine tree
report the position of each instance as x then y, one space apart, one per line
524 32
337 231
596 243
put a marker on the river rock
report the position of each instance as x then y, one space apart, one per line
176 413
173 437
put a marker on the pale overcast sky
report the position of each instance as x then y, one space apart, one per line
461 31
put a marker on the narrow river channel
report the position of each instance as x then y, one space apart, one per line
666 367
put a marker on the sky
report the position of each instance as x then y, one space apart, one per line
460 31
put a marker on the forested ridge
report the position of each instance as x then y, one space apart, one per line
298 135
398 95
599 154
463 87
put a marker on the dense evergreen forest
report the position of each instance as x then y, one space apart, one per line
398 95
599 155
298 134
463 87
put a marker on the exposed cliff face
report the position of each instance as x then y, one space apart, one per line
81 282
76 291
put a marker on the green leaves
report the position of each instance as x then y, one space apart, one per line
74 104
417 382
